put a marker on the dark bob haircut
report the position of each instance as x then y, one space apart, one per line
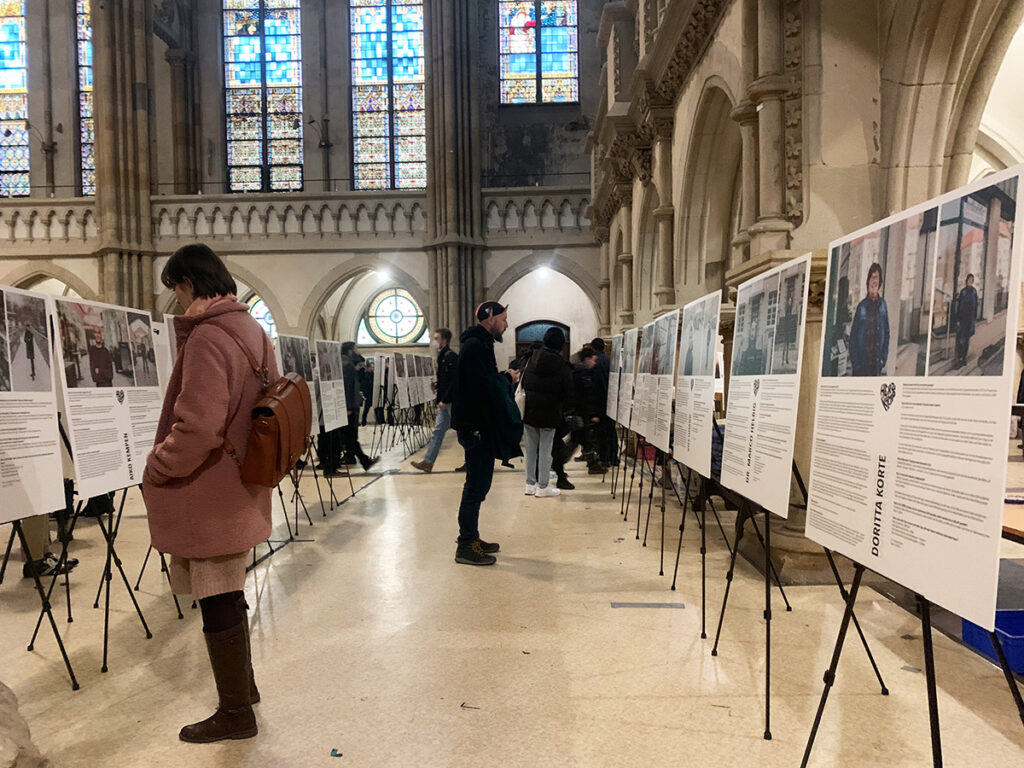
347 347
597 344
203 268
875 268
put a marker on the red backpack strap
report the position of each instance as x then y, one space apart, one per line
261 372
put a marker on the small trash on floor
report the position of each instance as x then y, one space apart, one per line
908 668
464 705
336 753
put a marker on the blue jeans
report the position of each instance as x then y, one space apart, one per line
442 424
479 473
538 454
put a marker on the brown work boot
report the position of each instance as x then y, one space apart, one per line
234 718
423 466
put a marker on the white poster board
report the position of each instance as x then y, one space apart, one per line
112 391
332 385
695 383
661 381
643 407
908 470
31 477
162 352
400 370
614 374
764 384
627 381
293 356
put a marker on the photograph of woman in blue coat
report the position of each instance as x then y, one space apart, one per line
869 337
966 314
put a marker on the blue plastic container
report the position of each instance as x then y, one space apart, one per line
1010 629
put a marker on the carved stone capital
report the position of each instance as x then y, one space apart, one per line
744 113
769 87
642 164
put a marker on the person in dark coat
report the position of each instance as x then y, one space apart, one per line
30 350
966 315
587 407
869 337
607 440
485 417
350 433
444 387
101 362
547 381
366 387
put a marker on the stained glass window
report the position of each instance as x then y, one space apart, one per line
389 145
261 313
14 152
85 118
263 93
538 51
394 317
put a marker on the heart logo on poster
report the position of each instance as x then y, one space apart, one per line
888 394
120 396
757 386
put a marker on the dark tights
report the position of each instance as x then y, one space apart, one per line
221 612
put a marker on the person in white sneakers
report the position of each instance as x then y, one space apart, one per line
547 381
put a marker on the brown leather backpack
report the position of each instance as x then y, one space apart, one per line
281 422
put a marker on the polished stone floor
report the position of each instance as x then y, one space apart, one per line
371 643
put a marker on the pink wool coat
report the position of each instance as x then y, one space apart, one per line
197 503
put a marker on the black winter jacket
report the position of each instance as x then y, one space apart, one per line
470 402
547 380
601 372
349 374
587 404
447 361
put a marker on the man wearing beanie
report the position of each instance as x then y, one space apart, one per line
486 419
547 381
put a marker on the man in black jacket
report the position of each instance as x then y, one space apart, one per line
350 434
446 361
485 417
607 443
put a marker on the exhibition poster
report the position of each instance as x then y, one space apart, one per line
293 356
764 385
695 384
401 381
31 476
627 380
908 469
643 405
612 404
112 392
661 380
332 384
162 351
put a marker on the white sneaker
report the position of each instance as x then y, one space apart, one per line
531 490
549 490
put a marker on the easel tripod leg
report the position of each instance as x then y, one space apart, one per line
767 625
856 624
830 673
44 599
770 566
1010 680
7 555
741 515
682 529
929 670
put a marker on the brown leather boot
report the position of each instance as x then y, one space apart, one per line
234 718
423 466
243 607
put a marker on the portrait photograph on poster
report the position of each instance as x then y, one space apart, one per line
143 354
879 300
295 357
663 356
5 365
972 282
757 308
27 343
645 362
329 357
788 322
97 350
700 336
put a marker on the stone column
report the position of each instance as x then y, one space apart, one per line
182 66
772 230
746 115
625 261
122 40
664 280
605 318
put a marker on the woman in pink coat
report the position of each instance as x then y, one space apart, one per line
200 512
